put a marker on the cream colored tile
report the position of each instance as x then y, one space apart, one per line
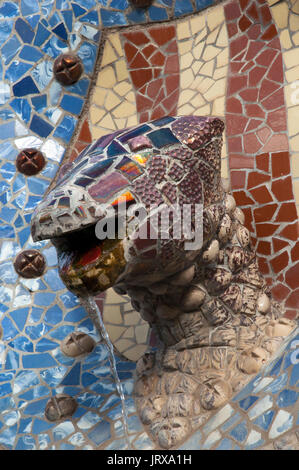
124 109
97 132
185 109
96 113
208 68
224 168
200 36
292 74
107 122
123 88
293 119
141 333
291 57
185 46
197 23
218 108
186 60
131 97
211 39
129 333
280 14
121 70
285 39
123 344
106 78
198 101
99 96
217 90
120 123
115 41
296 191
295 38
112 100
136 352
210 52
109 55
112 314
197 50
222 58
196 66
295 165
114 332
183 30
132 120
294 143
203 111
222 40
294 22
215 17
186 78
294 4
186 96
203 84
290 95
131 318
220 72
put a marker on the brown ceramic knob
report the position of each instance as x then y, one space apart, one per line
30 161
67 69
141 3
77 343
59 407
30 264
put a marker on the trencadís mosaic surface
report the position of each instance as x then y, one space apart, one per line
36 111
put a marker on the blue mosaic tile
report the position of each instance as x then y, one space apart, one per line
225 444
287 398
24 30
100 433
240 432
247 402
35 360
24 87
10 49
72 104
42 35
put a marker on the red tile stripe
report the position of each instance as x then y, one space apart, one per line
256 127
153 63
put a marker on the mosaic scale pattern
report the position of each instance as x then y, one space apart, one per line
32 29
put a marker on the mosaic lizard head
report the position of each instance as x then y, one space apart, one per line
173 160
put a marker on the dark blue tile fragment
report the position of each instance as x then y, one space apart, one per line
294 378
134 133
24 87
157 14
98 169
68 18
115 149
182 7
24 30
162 138
73 377
42 35
78 11
39 102
40 127
276 368
163 121
83 182
61 31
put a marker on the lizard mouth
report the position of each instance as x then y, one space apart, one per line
86 264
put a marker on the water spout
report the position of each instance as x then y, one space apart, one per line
95 315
